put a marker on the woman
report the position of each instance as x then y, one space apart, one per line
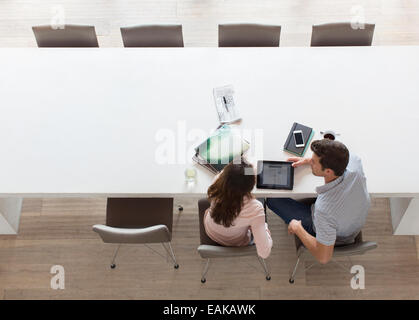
235 215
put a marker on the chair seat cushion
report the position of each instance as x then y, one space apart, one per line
354 249
209 251
153 234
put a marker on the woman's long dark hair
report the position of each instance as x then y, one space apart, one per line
227 193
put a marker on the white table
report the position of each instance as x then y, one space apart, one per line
91 122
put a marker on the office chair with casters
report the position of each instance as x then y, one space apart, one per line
248 35
357 248
210 249
153 36
65 36
341 34
140 221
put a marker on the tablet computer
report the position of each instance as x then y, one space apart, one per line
275 175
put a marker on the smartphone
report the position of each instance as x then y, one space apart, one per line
299 138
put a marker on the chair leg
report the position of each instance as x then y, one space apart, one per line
113 265
171 254
265 268
204 273
294 272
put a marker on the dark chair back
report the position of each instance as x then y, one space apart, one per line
67 36
203 205
248 35
341 34
152 36
139 212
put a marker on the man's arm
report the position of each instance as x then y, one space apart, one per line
321 252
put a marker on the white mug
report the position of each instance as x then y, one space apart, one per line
329 134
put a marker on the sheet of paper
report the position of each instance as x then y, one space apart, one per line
224 103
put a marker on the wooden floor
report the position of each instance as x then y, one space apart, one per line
58 232
396 21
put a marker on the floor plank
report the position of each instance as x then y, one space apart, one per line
58 231
62 235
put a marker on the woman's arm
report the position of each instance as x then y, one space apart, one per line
261 235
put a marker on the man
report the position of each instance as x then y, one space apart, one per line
342 203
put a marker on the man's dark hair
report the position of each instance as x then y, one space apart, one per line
333 155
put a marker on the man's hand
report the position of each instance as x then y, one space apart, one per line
298 161
294 226
322 252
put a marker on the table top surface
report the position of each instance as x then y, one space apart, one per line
123 122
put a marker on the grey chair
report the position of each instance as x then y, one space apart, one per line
357 248
153 36
140 221
210 249
67 36
341 34
248 35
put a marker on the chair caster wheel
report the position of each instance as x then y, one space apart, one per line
291 281
268 278
176 266
113 266
203 280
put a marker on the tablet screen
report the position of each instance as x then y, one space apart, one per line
275 175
